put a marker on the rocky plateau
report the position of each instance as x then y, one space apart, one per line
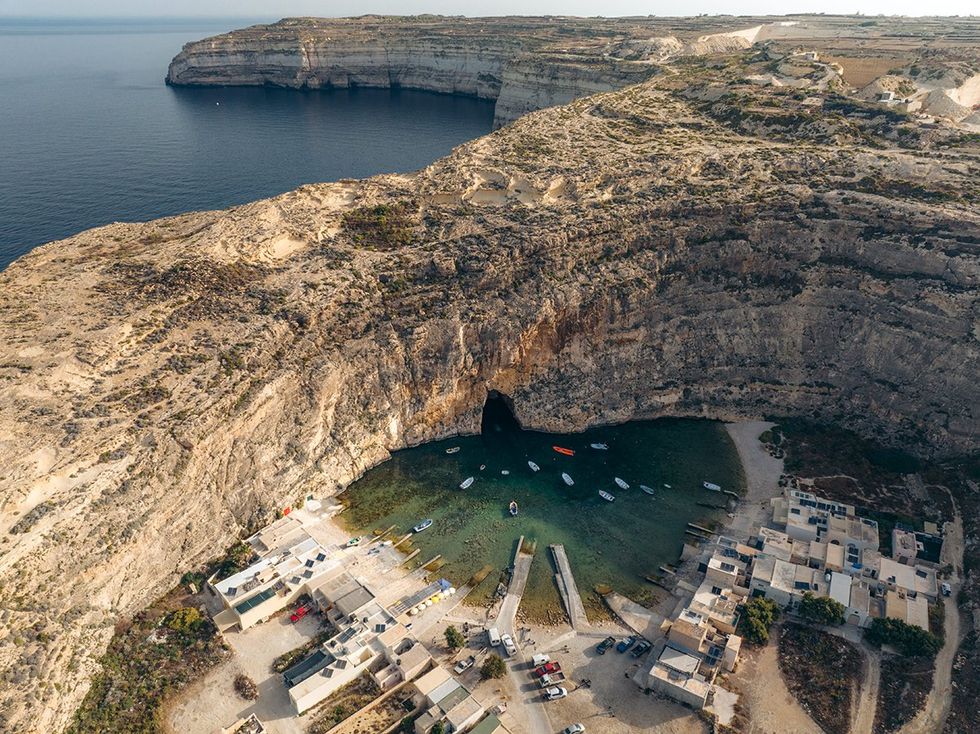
694 243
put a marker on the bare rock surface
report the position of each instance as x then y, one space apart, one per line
691 245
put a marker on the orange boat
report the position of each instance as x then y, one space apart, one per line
562 450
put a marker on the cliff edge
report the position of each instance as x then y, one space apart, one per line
696 244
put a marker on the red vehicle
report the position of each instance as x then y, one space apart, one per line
547 669
299 613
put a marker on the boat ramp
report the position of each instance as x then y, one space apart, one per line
568 590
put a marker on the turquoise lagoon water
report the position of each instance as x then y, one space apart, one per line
613 544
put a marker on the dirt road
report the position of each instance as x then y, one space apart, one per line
863 719
933 715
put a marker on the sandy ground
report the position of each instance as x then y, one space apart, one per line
772 708
212 703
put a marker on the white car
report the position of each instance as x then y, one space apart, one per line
553 694
574 729
509 647
947 589
464 665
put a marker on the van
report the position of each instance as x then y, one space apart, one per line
494 635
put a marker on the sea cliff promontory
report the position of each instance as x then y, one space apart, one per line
696 244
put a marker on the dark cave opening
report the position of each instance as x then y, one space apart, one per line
498 415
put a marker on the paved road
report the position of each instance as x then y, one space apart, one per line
517 667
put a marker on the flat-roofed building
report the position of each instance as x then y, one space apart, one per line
904 546
675 674
283 533
724 570
275 581
909 579
490 725
859 605
908 609
718 604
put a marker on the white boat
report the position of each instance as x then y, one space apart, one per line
568 480
600 446
466 482
712 487
668 486
427 523
505 472
620 483
534 467
453 450
606 496
645 488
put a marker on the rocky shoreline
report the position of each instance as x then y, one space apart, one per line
695 244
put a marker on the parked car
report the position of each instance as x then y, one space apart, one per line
947 589
605 645
547 669
540 659
509 647
553 694
641 647
626 644
464 665
299 613
493 636
574 729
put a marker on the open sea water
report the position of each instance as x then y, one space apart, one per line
90 134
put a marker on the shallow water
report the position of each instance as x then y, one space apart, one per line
607 543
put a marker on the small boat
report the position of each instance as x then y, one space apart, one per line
353 541
606 496
453 450
482 467
568 480
600 446
645 488
712 487
668 486
505 472
534 467
466 482
620 483
513 508
425 524
563 450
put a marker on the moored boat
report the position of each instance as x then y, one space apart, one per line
668 486
599 446
620 483
645 488
568 480
513 508
466 482
427 523
534 467
606 496
712 487
562 450
453 450
505 472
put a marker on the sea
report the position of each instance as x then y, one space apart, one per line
90 134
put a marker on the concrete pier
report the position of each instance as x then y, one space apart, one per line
568 590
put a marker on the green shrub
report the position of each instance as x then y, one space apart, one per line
454 638
493 667
184 620
758 616
821 609
908 639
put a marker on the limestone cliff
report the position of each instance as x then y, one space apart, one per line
691 245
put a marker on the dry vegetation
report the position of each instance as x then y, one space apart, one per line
823 673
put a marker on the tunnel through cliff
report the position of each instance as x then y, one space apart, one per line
498 415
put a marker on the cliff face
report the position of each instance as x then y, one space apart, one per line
692 245
525 64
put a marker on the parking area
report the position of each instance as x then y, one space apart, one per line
212 702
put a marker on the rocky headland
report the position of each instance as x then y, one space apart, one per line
694 244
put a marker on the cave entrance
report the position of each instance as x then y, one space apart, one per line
498 415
